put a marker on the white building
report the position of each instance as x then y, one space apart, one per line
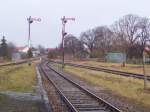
23 49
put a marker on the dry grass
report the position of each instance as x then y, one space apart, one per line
129 88
133 68
20 78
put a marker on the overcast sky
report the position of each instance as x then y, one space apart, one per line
88 14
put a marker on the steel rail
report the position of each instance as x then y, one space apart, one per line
127 74
69 105
100 100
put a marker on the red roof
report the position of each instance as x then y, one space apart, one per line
50 49
147 49
20 48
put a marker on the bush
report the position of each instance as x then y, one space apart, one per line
29 53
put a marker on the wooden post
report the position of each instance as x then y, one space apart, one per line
144 72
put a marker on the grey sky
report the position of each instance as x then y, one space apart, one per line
88 14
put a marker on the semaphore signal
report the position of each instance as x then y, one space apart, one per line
30 21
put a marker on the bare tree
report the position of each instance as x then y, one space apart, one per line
88 39
129 35
103 39
144 26
128 30
72 45
119 41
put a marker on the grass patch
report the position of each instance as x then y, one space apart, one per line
133 68
129 88
19 78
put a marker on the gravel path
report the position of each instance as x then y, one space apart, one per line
21 102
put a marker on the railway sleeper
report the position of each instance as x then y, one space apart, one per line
92 109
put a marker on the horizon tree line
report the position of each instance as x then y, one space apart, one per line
130 34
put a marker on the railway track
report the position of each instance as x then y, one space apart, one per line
77 98
19 62
127 74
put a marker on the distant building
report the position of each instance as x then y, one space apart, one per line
35 52
25 50
20 52
116 57
50 49
22 49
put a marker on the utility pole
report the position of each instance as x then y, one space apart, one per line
64 21
144 72
30 20
146 49
29 24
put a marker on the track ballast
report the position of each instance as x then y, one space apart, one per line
77 98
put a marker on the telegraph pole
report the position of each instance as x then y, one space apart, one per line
29 25
64 21
30 21
146 49
144 72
